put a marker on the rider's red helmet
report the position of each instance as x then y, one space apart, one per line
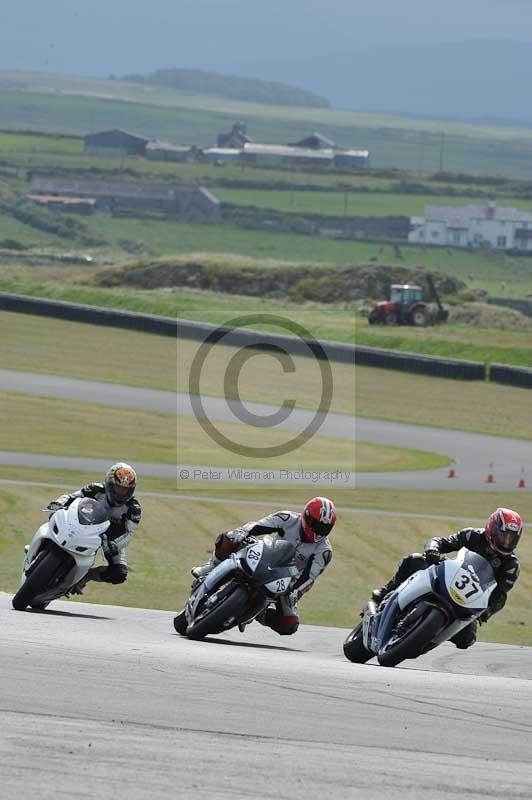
503 531
318 518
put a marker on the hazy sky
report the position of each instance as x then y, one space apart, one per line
97 37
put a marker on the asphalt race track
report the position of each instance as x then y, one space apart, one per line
474 455
103 701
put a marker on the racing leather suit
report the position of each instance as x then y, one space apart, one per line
311 558
124 519
505 568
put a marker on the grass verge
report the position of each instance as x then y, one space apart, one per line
36 344
67 428
99 431
441 402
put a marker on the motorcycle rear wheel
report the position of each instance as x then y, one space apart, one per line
231 607
415 641
38 581
354 649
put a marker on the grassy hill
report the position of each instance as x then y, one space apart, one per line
79 105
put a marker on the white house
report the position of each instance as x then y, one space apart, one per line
502 228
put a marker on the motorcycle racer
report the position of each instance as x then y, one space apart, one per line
308 531
496 542
118 490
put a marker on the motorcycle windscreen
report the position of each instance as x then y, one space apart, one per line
92 512
269 560
470 580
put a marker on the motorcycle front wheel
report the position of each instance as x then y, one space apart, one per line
40 579
180 623
415 640
225 614
354 649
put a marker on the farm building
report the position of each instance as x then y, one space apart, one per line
351 159
500 228
114 143
315 142
164 151
183 202
221 155
278 154
236 138
77 205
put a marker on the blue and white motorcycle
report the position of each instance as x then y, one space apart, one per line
428 608
239 589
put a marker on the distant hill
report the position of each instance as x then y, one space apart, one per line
472 80
251 89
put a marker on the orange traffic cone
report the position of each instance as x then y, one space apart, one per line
490 478
452 473
521 484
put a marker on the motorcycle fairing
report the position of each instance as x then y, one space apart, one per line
64 531
468 581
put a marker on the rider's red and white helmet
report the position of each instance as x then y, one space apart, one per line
318 518
503 531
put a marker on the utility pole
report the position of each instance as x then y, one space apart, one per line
421 152
442 145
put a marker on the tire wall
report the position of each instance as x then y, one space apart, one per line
513 376
423 365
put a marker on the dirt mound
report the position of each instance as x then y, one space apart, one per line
318 283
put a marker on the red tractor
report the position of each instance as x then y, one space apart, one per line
407 307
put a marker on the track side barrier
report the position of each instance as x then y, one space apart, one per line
242 337
512 376
178 328
424 365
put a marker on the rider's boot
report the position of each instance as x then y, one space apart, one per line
203 569
378 595
93 574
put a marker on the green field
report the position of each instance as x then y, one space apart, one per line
25 151
111 239
321 322
343 204
34 344
74 427
80 105
486 343
499 274
440 402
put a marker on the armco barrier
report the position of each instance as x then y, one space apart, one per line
513 376
425 365
184 329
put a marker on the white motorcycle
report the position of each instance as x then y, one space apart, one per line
61 552
429 608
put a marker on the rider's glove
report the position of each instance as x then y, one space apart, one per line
432 556
293 598
111 547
